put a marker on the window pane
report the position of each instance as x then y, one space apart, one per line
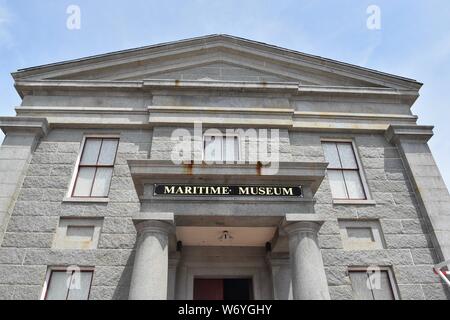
84 182
337 184
354 186
90 152
58 286
360 285
384 292
231 149
331 155
102 182
108 152
347 156
80 286
213 148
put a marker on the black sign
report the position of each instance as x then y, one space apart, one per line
221 191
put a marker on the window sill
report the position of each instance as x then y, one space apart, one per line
86 200
357 202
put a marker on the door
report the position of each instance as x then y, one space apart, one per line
223 289
208 289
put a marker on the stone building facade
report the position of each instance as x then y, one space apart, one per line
91 192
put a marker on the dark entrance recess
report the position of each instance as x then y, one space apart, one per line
223 289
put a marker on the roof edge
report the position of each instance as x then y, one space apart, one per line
330 62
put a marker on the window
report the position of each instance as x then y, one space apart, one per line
361 235
221 148
67 284
77 234
343 171
95 168
369 284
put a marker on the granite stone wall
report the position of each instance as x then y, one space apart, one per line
409 251
26 251
27 247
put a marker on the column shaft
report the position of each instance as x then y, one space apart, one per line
309 281
150 273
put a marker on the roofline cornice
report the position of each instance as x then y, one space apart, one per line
292 88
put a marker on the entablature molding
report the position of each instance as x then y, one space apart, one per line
416 133
37 126
29 87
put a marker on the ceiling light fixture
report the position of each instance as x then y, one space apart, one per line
225 236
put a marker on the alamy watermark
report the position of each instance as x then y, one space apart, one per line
74 279
73 21
214 146
373 278
374 20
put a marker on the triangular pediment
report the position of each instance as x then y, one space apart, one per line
220 58
219 71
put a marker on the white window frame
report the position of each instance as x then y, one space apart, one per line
389 271
374 225
223 135
61 269
362 176
69 197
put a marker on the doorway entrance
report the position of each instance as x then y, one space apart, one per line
223 289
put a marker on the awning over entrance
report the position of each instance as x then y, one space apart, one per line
226 190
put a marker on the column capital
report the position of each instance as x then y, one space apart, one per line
421 134
303 226
154 222
300 222
37 126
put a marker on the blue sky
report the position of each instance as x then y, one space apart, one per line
414 39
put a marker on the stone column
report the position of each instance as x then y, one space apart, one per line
309 281
281 277
173 266
431 192
151 265
22 136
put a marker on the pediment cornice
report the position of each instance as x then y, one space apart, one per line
153 60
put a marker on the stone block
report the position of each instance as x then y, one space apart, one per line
407 241
6 292
330 242
117 241
337 276
32 224
366 258
33 194
22 275
11 256
114 257
411 292
27 292
27 240
53 257
391 226
424 256
341 293
112 276
115 225
413 226
416 274
436 291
